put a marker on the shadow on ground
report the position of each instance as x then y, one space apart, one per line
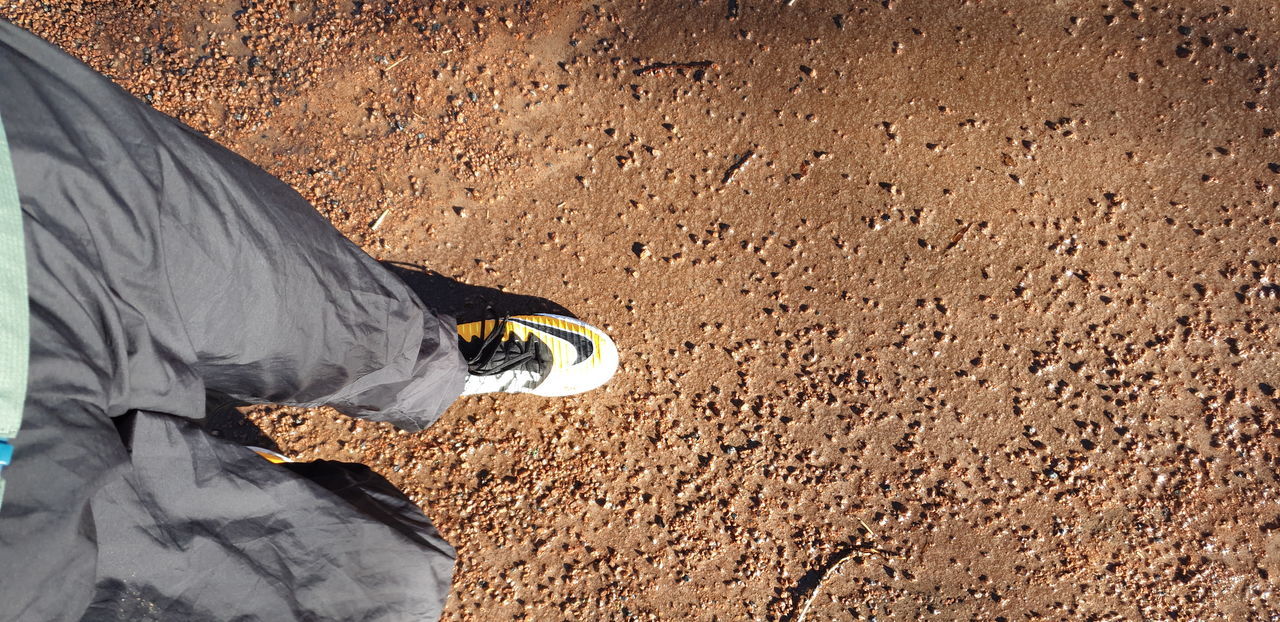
468 302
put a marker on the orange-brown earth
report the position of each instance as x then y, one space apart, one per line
975 302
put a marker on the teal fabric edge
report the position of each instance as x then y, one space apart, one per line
14 310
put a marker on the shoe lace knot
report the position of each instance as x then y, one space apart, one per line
496 354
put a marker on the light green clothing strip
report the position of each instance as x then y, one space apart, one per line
14 345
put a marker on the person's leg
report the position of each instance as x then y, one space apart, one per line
221 276
279 307
161 266
66 451
200 529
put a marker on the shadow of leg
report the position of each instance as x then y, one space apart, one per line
223 418
465 302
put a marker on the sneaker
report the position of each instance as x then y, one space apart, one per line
548 355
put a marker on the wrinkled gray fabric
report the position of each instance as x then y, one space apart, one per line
162 267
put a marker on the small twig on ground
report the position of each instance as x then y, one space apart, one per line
838 563
658 68
393 65
737 166
868 528
804 611
955 239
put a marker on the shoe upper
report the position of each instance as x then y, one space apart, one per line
543 354
502 361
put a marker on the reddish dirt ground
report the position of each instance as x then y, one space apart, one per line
968 309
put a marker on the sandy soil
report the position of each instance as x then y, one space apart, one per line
973 301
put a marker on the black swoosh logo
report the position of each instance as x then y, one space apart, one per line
580 343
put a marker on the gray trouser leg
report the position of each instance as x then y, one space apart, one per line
161 267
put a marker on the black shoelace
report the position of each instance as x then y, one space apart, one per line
494 355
